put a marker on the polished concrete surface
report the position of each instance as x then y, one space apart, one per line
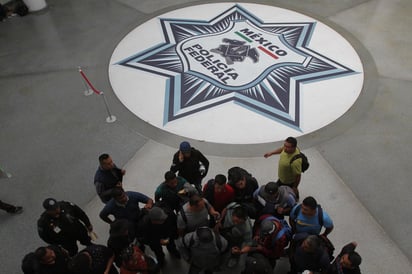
51 134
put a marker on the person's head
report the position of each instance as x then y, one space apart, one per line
80 264
171 179
220 181
309 206
185 148
267 227
234 174
106 161
272 189
119 195
289 145
237 177
196 202
239 215
311 244
204 234
128 254
157 215
52 207
45 255
350 260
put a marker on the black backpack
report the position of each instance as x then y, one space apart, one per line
305 162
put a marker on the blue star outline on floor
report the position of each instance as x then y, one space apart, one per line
235 57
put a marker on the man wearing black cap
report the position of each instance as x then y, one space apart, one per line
274 199
191 164
157 229
64 223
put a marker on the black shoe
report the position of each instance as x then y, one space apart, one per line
15 210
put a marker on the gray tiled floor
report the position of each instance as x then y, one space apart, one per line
50 134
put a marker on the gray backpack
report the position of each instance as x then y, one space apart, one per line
203 255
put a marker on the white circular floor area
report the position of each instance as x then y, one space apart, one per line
236 73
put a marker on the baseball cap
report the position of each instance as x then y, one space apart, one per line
267 227
50 204
157 214
185 147
271 188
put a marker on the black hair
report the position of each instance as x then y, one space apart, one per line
235 174
220 179
354 258
126 254
103 157
117 192
292 141
240 212
194 199
170 175
313 242
79 264
310 202
40 252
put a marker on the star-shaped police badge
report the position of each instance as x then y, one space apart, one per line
235 57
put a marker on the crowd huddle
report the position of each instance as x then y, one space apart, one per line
231 222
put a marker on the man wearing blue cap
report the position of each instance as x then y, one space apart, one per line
191 164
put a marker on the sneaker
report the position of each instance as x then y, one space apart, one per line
16 210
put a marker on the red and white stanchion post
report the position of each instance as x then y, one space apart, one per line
90 88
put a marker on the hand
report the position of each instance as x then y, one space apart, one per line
148 205
123 171
119 184
245 249
235 250
267 155
164 241
90 228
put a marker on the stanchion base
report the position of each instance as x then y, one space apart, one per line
111 119
88 92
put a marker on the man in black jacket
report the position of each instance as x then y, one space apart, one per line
64 223
191 165
107 177
46 260
347 262
158 228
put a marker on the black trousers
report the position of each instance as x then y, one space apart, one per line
7 207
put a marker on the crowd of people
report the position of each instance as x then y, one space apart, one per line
230 222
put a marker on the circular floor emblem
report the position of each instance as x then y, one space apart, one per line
236 73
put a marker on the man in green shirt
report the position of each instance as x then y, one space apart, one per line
289 173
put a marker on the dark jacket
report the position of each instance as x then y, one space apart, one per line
336 268
189 168
71 223
105 180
